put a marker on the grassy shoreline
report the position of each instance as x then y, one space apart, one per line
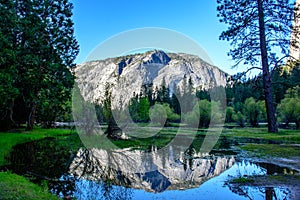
10 139
13 186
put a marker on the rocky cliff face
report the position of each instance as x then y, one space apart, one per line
126 75
154 172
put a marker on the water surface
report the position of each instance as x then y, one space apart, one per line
172 173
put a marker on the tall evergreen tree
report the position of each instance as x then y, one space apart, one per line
8 90
256 29
44 49
175 105
187 95
163 93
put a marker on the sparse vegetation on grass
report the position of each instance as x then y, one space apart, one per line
273 180
242 180
283 136
275 150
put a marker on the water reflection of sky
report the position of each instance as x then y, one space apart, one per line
214 188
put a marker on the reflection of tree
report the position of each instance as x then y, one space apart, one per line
240 190
270 193
64 186
84 114
89 166
188 158
44 160
251 192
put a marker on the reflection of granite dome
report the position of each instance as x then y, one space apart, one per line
151 172
128 74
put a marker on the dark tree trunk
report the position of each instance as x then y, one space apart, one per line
269 193
7 122
113 131
272 126
31 117
297 122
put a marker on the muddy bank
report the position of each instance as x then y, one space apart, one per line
291 182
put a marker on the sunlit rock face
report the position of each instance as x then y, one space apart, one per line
128 74
152 171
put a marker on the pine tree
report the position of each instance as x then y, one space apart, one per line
256 30
175 105
8 90
42 59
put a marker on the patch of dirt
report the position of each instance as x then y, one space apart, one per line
291 162
291 182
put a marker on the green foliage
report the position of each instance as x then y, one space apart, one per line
54 105
285 85
163 93
284 151
10 139
239 118
187 97
38 49
229 114
171 115
251 110
175 105
257 30
8 89
202 94
242 18
13 186
289 107
242 180
158 114
293 92
254 110
107 108
203 113
162 113
285 136
139 109
192 118
244 88
144 109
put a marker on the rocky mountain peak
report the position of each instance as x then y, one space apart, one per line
127 75
157 57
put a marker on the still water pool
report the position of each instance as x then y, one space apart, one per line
174 173
214 188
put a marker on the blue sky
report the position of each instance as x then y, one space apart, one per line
97 20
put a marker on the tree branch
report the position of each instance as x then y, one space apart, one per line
245 72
